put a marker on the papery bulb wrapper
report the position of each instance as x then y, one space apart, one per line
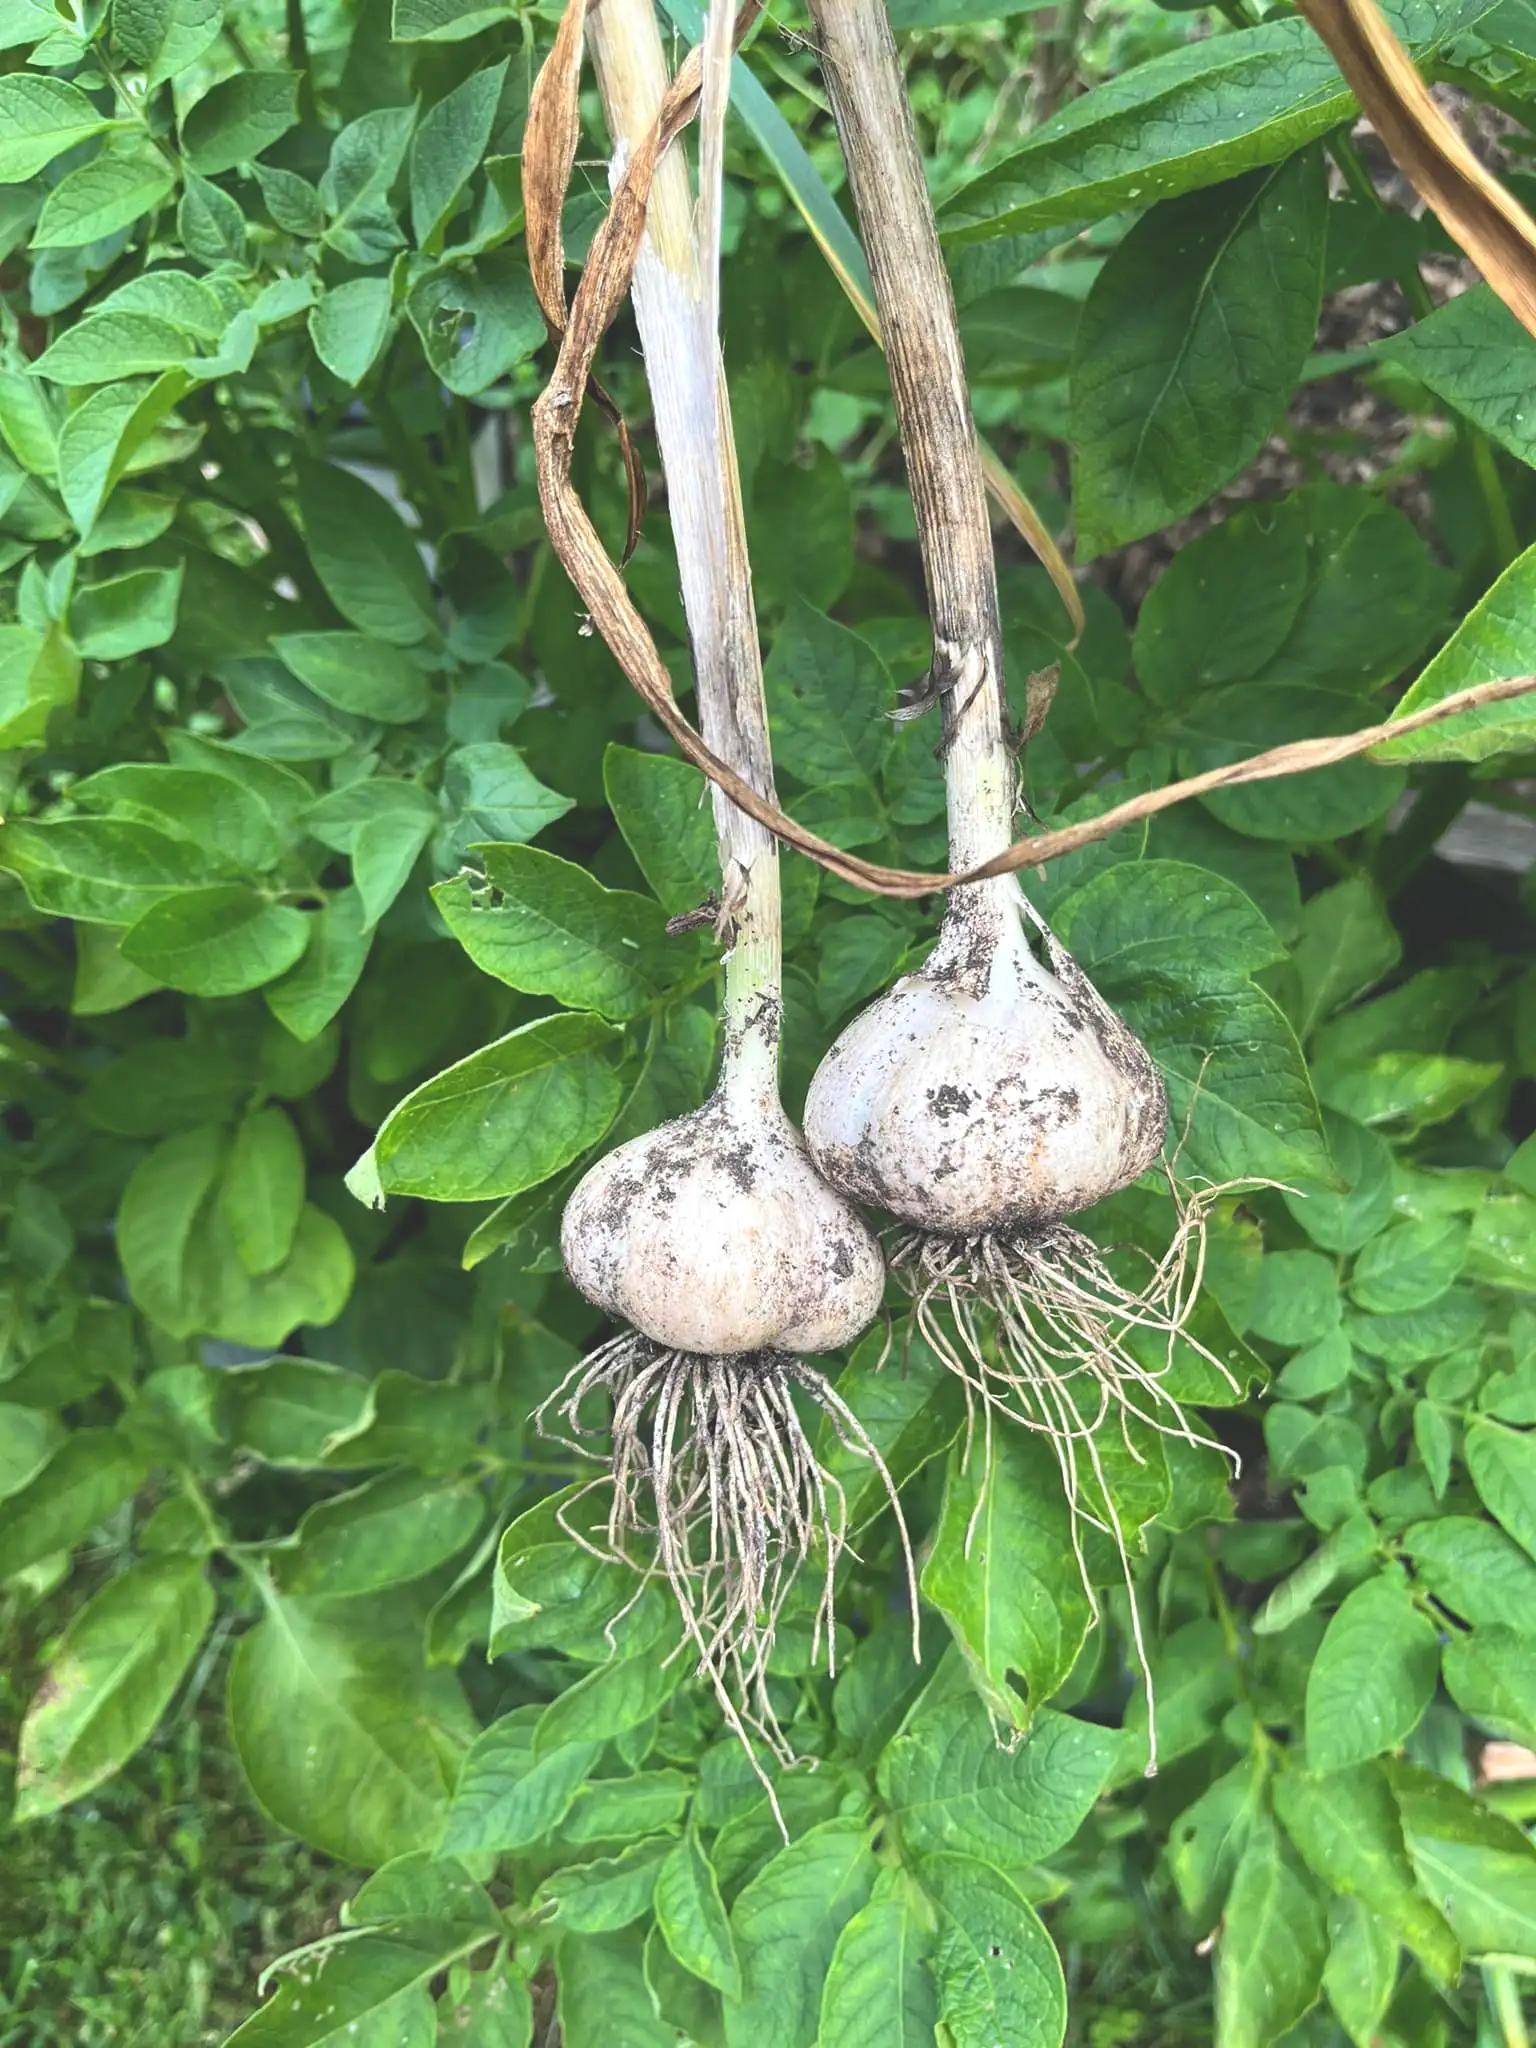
715 1234
986 1091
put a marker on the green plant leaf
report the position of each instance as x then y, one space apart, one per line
508 1798
786 1924
1003 1574
328 1718
210 223
445 21
349 326
365 557
127 615
1347 1829
622 1694
608 1893
1502 1463
1192 117
1323 803
997 1972
1224 604
1497 638
692 1917
236 120
1475 1570
163 38
448 146
828 696
1189 346
1491 1675
1373 1676
1361 1972
40 118
87 1478
953 1788
311 993
662 807
880 1991
1274 1944
112 1677
100 438
1478 1867
369 1990
1410 1265
286 1411
261 1193
387 1532
114 190
189 803
1164 918
505 1118
217 941
544 926
1474 353
604 2000
369 678
621 1809
39 673
494 796
476 322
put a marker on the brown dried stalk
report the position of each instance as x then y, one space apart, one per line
1487 220
603 286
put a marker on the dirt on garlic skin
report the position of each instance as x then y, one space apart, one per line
715 1234
964 1110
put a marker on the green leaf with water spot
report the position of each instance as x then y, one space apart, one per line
996 1969
1273 1944
1373 1677
1346 1826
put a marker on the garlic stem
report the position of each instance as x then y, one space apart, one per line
675 302
864 78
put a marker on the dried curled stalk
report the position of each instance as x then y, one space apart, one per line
547 163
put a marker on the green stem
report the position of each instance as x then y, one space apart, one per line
1501 526
1503 1988
134 108
1441 800
218 1536
1342 149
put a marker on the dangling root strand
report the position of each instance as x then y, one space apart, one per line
710 1467
1034 1322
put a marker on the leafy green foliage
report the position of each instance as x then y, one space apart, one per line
335 880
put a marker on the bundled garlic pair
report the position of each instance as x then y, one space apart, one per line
981 1102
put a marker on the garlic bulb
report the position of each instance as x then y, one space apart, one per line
716 1235
990 1090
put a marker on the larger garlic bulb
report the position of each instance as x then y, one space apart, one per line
715 1234
991 1089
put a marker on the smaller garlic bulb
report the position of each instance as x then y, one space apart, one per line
990 1089
716 1235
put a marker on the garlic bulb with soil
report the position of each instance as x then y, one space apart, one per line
991 1096
991 1089
715 1234
714 1238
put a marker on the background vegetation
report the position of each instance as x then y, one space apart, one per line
332 834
